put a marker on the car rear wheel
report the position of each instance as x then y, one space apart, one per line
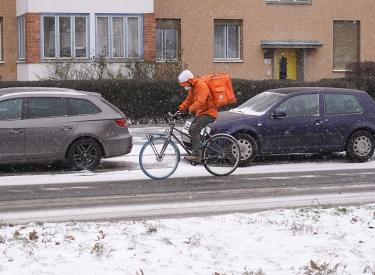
248 147
360 146
84 154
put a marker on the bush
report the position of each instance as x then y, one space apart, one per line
150 100
360 69
137 99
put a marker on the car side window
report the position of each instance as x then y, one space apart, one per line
11 109
41 107
341 104
83 106
301 105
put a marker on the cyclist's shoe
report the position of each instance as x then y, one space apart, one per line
193 158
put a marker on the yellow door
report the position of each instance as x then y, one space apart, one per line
290 57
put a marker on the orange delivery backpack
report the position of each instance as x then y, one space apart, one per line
221 88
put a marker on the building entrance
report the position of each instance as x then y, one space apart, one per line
286 64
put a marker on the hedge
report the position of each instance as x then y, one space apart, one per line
147 100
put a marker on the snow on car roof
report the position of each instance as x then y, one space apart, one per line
289 90
43 91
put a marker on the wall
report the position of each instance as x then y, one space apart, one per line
8 68
85 6
32 8
267 22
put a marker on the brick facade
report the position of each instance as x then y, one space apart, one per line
8 68
149 38
32 37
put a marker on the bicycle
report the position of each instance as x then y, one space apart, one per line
159 156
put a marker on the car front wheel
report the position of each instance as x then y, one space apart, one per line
84 154
360 146
248 147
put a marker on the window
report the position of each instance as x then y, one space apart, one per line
119 36
113 107
80 36
260 103
41 107
21 38
301 105
168 39
1 39
11 109
341 104
83 107
345 43
288 1
227 40
65 36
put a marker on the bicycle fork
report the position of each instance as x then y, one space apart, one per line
160 157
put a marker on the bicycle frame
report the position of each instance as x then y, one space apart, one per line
169 133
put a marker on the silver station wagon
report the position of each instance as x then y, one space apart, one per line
60 125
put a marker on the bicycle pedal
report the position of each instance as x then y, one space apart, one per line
194 163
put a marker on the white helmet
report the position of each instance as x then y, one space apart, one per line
184 76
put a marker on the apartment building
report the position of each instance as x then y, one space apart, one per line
50 31
266 39
250 39
8 40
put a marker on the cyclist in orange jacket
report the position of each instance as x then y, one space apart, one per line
200 101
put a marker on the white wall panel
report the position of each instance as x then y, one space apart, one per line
85 6
29 72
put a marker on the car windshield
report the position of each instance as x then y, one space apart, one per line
259 104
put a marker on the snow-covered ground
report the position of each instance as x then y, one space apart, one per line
276 242
308 240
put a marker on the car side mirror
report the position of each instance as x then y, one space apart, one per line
278 114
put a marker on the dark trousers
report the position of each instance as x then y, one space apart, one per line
195 130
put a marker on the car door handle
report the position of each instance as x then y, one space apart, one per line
318 122
65 128
16 131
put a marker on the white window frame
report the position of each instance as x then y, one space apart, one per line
125 47
293 2
226 26
57 36
163 46
21 38
163 55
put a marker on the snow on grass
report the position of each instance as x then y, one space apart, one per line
310 240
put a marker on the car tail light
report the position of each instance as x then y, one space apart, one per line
121 122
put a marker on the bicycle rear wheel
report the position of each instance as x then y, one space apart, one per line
221 155
158 166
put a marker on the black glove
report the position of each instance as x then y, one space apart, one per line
185 113
174 111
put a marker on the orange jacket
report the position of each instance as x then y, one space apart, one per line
199 100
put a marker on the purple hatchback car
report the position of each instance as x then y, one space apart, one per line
302 120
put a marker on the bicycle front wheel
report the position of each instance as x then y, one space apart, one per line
156 165
221 155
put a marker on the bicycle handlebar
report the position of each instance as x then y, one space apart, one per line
177 113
